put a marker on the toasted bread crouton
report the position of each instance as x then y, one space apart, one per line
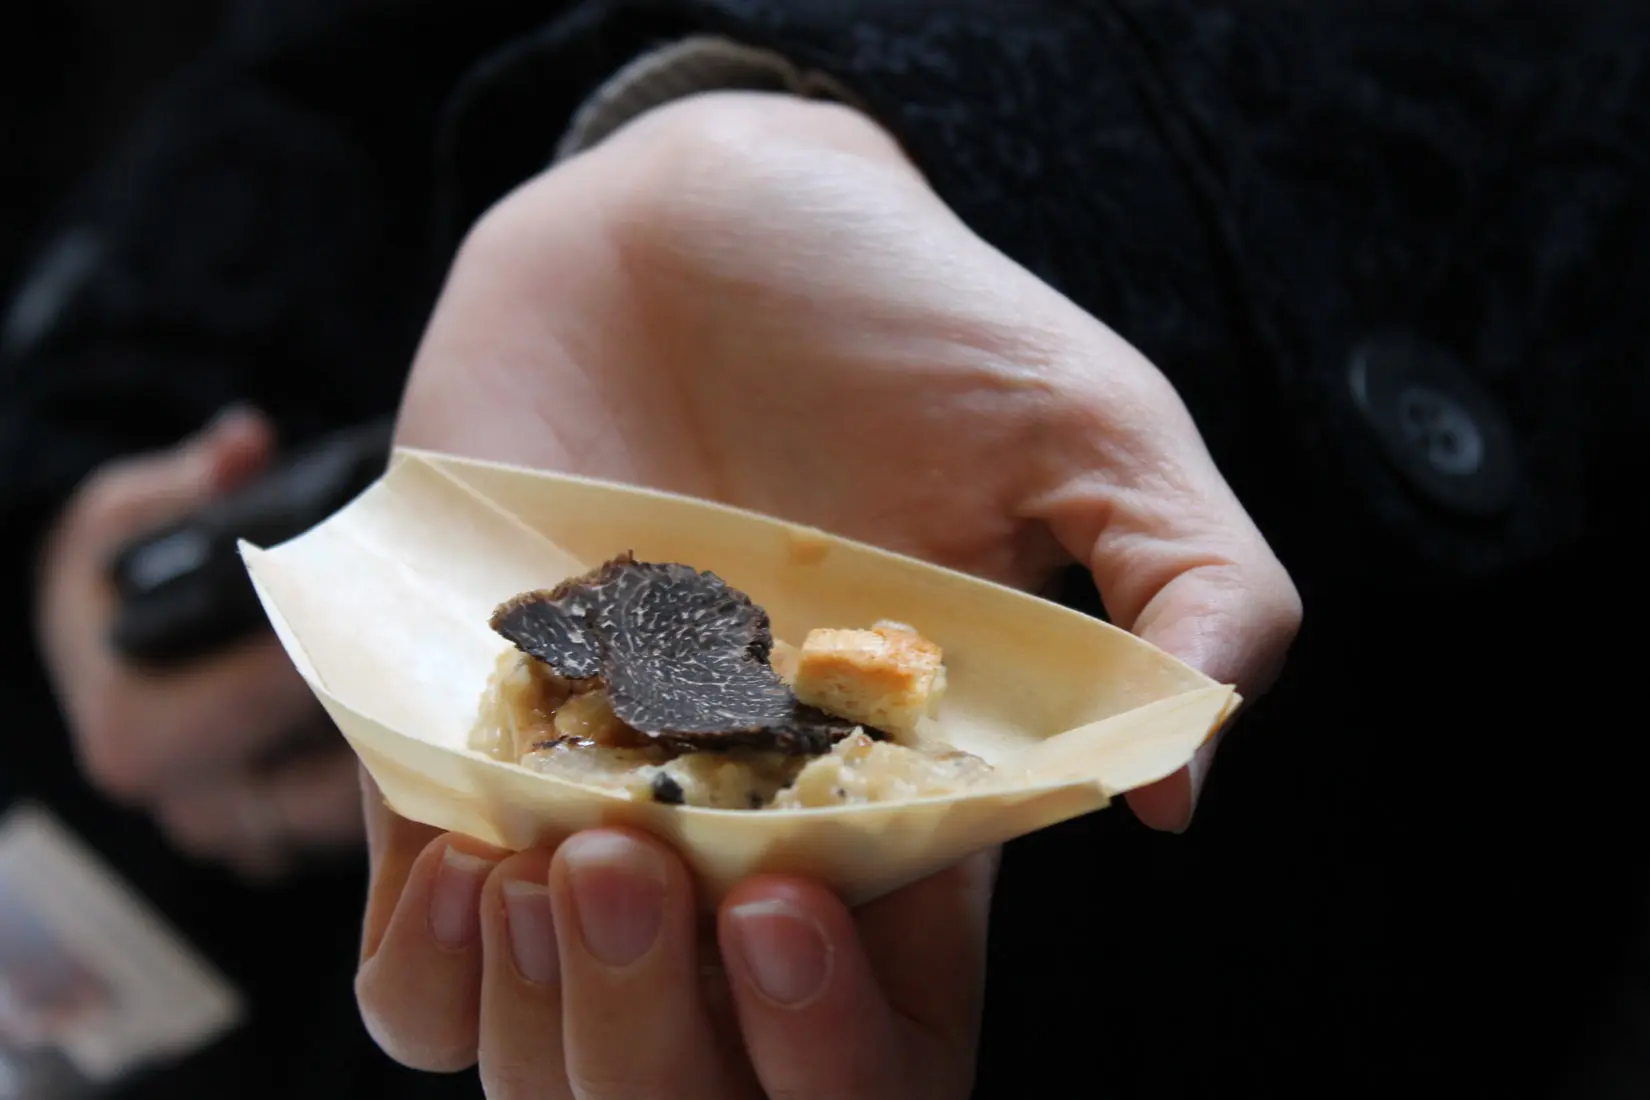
889 677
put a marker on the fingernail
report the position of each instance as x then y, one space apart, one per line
784 951
455 902
532 931
618 895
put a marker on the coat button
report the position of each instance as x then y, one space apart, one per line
1436 426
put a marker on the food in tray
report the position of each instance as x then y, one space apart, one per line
664 683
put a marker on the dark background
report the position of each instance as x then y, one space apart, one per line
76 73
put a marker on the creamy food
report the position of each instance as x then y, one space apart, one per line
736 720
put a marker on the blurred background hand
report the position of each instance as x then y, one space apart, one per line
231 755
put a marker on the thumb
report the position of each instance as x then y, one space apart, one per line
1234 621
1177 560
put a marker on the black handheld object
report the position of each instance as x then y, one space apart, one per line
183 590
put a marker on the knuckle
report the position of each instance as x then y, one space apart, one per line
408 1032
1279 608
706 144
708 164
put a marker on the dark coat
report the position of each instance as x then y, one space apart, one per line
1395 259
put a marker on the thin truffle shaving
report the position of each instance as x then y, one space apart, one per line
682 656
543 629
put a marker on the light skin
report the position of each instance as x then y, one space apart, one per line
759 300
199 749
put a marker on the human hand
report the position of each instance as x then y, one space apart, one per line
582 970
233 757
759 301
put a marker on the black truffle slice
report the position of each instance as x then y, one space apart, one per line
683 656
686 659
542 628
553 626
